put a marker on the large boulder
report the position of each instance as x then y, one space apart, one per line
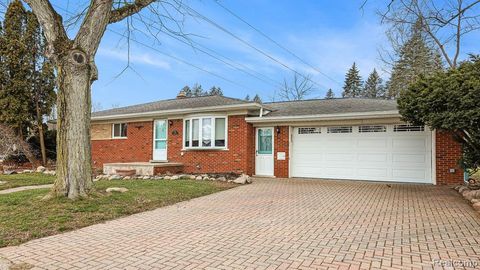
40 169
471 194
116 189
243 179
476 206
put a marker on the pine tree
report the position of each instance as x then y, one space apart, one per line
330 94
15 97
415 58
247 98
353 83
257 99
373 86
216 91
188 92
197 90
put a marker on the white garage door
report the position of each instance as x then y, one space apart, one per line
397 153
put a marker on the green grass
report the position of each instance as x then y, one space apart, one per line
25 179
24 216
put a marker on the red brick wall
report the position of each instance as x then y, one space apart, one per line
135 148
448 151
237 159
281 144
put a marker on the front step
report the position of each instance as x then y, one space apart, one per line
143 168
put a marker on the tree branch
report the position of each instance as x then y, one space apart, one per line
128 10
52 25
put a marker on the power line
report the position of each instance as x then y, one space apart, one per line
274 42
219 57
172 56
248 44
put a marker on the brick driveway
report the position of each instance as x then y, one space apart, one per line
276 224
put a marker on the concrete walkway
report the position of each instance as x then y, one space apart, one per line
17 189
277 224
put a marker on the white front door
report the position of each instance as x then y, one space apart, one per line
160 140
264 152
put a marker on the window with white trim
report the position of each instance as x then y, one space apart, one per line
345 129
366 129
119 130
407 128
205 132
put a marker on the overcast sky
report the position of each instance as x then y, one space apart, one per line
328 35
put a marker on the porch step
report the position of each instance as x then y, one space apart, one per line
143 168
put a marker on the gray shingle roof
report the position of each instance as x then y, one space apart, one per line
329 106
173 104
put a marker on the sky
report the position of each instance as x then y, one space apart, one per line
327 36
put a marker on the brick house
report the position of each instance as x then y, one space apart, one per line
359 139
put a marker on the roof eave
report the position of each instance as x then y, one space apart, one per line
320 117
178 111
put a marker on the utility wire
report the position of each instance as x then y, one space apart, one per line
169 55
189 9
275 42
245 69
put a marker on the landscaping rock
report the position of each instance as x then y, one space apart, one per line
462 189
223 179
167 177
206 178
175 177
457 188
9 172
40 169
127 177
116 189
191 177
114 177
27 171
471 194
50 172
146 177
199 178
243 179
476 206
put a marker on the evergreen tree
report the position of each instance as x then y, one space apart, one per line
415 58
353 83
197 90
188 92
247 98
330 94
257 99
216 91
15 97
373 86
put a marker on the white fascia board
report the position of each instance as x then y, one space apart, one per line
178 111
317 117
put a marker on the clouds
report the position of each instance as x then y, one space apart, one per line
143 58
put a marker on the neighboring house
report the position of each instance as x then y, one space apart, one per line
360 139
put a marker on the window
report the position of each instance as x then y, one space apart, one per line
120 130
405 128
309 130
339 130
205 132
365 129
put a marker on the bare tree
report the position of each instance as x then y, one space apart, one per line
11 143
74 60
444 22
297 89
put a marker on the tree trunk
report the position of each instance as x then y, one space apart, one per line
41 135
74 169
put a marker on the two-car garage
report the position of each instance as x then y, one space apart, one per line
397 153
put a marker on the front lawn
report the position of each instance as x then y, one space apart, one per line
24 216
25 179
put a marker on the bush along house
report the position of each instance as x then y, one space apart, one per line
351 138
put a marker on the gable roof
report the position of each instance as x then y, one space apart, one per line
330 106
176 105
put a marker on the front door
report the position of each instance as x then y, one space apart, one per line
264 152
160 140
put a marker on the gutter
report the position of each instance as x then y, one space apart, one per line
318 117
178 111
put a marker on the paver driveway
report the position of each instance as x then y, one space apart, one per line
276 224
